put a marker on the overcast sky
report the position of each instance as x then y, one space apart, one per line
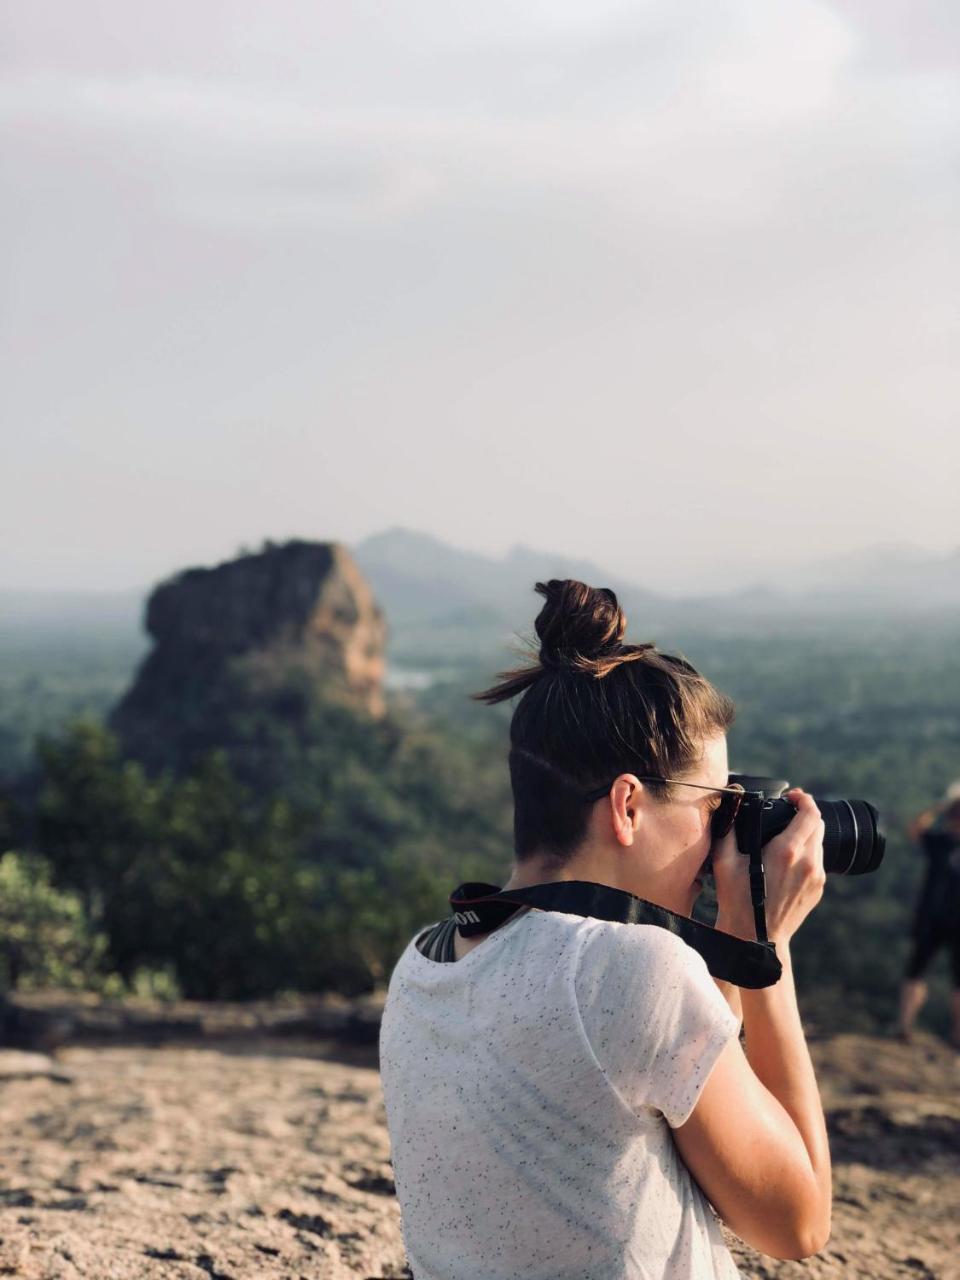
669 284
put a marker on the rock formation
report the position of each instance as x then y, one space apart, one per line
270 631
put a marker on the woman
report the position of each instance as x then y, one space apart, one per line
566 1096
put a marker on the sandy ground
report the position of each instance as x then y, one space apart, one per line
267 1158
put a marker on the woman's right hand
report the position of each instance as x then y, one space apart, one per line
793 870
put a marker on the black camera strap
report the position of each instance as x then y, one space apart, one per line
750 842
482 908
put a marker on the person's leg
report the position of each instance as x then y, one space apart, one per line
913 993
955 996
955 1018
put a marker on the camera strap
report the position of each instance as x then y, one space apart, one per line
482 908
750 842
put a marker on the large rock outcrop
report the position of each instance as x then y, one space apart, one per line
265 635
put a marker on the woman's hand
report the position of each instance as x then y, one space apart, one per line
793 869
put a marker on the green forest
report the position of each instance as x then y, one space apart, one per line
303 854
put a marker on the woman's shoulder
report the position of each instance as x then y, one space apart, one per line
607 956
651 1014
614 942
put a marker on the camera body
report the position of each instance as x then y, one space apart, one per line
853 842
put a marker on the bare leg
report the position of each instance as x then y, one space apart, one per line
955 1011
912 995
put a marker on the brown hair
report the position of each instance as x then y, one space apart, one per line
592 707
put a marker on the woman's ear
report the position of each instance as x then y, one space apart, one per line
625 798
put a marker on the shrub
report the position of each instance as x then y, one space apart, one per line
45 935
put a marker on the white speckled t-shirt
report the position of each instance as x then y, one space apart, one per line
530 1087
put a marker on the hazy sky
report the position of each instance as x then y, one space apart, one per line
672 284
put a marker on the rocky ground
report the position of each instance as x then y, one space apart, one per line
257 1157
894 1117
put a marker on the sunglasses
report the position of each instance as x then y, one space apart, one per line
722 818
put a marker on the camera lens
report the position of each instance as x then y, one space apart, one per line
853 841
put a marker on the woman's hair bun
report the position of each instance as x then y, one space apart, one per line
581 630
577 624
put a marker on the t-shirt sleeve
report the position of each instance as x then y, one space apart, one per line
654 1018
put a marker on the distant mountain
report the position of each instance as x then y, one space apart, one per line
439 599
896 578
442 602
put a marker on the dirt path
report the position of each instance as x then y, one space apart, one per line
266 1159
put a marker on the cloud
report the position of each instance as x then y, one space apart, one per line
630 102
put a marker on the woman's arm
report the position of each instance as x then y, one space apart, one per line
731 994
756 1141
923 822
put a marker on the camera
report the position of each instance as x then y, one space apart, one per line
853 842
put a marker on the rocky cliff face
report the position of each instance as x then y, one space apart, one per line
269 632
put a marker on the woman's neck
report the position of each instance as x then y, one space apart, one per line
585 866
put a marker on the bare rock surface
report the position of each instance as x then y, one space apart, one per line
893 1112
242 1159
254 1160
16 1063
293 615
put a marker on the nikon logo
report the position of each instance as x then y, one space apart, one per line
466 917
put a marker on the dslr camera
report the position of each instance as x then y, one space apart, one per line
853 843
